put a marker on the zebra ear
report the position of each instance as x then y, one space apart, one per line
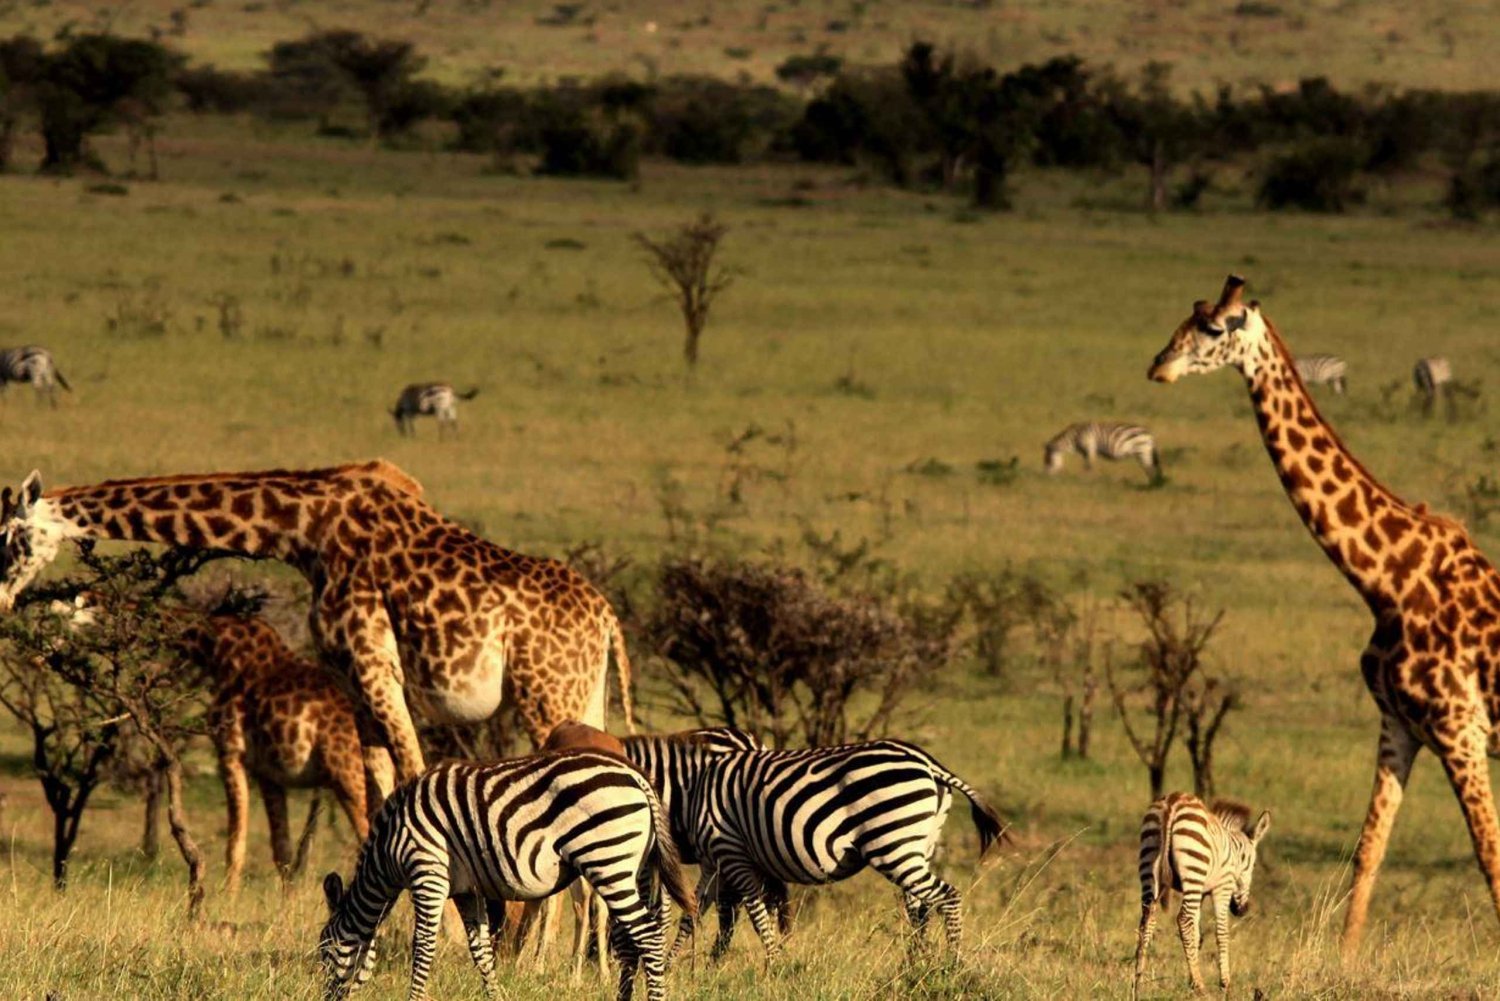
333 890
1262 825
31 489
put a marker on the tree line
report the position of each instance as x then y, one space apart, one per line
933 120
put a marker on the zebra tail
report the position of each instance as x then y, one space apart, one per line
622 671
57 373
1161 869
668 863
991 828
469 395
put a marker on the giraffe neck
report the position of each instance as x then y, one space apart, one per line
277 515
1357 521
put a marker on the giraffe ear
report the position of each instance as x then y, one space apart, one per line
333 890
31 489
1200 308
1234 287
1262 825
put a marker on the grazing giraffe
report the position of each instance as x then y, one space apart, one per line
418 613
1433 661
280 718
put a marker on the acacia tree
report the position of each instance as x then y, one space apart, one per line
683 263
381 71
94 80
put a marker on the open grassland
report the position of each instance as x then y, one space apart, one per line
874 330
1428 43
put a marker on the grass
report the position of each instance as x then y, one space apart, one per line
971 341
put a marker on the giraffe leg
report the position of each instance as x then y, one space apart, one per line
1468 770
1221 933
349 787
237 800
1143 943
378 674
1187 928
274 797
1398 749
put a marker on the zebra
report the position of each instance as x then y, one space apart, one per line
429 399
34 365
1197 850
1109 439
672 762
1433 377
1324 370
520 829
761 818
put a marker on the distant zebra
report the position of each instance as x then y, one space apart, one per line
1104 439
1199 850
520 829
673 763
1433 377
821 815
429 399
34 365
1324 370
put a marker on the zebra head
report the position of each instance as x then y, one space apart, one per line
1229 332
1239 901
30 535
348 957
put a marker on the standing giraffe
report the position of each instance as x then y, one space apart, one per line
281 719
1432 662
419 614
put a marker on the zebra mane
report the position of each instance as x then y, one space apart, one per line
1235 814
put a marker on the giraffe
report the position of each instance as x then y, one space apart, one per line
1433 659
279 718
415 613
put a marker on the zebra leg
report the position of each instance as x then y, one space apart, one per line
1187 928
1143 943
727 904
911 873
429 894
742 879
636 939
1221 933
917 913
475 912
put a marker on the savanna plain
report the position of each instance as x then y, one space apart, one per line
890 345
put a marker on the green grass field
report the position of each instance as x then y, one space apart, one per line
355 271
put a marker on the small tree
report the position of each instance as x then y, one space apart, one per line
1171 658
683 263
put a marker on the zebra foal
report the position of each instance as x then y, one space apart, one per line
520 829
1104 439
765 818
1200 850
34 365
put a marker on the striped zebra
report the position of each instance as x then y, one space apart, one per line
673 762
429 399
1197 850
34 365
520 829
1324 370
1104 439
1433 377
821 815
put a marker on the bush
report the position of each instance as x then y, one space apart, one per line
1472 190
705 120
208 90
1318 177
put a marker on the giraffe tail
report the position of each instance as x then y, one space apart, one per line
622 671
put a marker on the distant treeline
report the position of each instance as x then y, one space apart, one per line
933 120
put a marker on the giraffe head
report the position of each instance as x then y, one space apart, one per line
348 957
30 535
1228 332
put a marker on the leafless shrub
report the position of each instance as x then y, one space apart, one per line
142 312
762 646
682 262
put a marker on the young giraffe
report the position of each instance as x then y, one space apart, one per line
280 718
1433 660
420 614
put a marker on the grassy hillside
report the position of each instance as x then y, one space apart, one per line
1432 43
877 331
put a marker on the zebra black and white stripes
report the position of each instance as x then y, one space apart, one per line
1433 377
429 399
520 829
1200 851
821 815
1324 370
1104 439
34 365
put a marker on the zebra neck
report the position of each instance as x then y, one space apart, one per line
1356 520
252 514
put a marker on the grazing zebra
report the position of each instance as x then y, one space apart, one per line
34 365
521 829
821 815
429 399
1434 378
1106 439
1198 850
673 763
1324 370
